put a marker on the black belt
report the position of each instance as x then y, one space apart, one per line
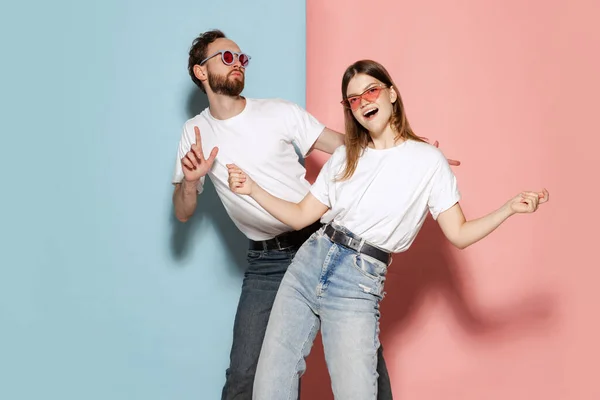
340 237
287 239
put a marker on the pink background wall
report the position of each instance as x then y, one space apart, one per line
511 89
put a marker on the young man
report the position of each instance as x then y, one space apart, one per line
259 136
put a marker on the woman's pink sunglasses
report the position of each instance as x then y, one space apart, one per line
370 95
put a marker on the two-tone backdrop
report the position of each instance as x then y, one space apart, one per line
103 294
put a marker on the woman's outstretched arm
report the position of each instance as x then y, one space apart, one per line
462 233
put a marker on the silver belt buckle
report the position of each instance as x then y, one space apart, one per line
352 243
347 240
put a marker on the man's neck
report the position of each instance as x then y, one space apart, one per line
225 107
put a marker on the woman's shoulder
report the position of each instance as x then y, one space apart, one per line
426 151
337 159
338 155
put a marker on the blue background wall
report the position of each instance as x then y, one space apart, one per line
103 295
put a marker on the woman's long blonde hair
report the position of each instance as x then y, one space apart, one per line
357 137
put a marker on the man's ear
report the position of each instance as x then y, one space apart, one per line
200 72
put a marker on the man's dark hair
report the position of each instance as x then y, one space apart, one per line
198 52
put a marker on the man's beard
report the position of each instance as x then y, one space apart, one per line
223 85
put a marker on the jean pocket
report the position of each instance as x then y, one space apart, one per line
370 267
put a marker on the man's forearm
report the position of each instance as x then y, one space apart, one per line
185 199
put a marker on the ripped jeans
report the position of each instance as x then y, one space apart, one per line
335 289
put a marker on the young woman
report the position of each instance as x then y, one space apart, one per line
373 196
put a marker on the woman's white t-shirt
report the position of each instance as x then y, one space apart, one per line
386 201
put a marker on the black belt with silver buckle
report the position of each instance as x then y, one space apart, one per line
286 240
340 237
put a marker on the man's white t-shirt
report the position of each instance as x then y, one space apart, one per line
386 201
260 141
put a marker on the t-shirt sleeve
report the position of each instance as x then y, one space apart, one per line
185 145
444 189
320 189
305 128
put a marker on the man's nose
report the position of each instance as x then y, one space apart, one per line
237 62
